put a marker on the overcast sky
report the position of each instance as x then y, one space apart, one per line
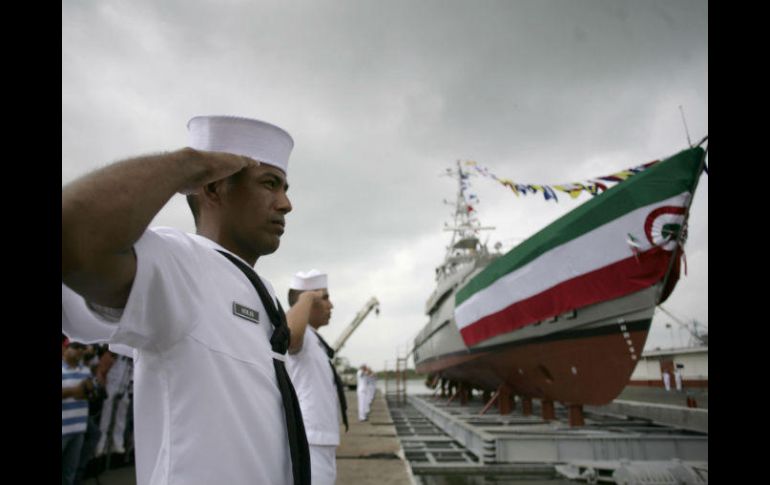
381 97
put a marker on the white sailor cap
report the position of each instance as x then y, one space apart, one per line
256 139
312 280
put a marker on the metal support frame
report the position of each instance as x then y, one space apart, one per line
401 379
576 415
504 405
490 402
497 439
463 390
546 407
526 406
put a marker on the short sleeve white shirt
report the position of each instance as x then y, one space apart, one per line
371 386
206 403
312 377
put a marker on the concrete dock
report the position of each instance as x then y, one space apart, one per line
370 453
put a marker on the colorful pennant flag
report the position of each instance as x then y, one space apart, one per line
593 187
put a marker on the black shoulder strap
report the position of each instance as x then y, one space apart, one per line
337 381
298 446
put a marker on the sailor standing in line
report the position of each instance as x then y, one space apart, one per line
667 380
371 389
213 400
319 388
362 391
114 415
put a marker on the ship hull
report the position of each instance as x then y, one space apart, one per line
543 368
585 358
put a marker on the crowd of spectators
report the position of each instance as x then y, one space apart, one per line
96 410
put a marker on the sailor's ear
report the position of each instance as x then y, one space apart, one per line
212 193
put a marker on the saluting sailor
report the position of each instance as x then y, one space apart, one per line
371 389
213 401
666 380
362 392
319 388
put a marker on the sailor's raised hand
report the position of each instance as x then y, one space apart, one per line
218 166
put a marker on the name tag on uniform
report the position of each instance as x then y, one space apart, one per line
245 312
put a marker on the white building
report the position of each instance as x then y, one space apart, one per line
693 363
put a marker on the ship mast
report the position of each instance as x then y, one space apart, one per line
464 246
462 228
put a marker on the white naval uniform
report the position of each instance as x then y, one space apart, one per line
312 377
667 380
371 389
206 403
115 407
362 392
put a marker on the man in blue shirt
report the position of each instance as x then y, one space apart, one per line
75 386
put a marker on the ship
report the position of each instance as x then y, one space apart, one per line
564 315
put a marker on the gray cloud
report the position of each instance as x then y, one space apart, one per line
381 97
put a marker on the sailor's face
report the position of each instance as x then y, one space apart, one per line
321 310
255 206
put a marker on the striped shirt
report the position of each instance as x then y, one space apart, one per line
74 412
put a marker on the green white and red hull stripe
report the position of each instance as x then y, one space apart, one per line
613 245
